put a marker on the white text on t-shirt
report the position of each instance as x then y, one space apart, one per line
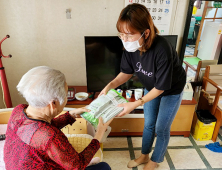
140 69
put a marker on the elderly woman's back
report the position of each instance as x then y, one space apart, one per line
34 139
32 144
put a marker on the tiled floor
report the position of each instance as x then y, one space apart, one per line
182 153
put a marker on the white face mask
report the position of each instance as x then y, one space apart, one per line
132 46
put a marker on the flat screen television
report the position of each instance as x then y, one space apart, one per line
103 57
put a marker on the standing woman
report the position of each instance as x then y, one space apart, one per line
156 64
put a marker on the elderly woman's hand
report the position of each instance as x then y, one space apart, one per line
101 128
77 112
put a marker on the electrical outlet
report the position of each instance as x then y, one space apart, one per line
68 13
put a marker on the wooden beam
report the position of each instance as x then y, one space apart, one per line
215 14
218 116
198 71
213 18
200 29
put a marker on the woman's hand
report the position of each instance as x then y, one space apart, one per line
105 90
128 107
120 79
76 112
101 128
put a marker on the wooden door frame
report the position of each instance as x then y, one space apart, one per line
186 30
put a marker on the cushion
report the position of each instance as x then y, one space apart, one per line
2 163
3 128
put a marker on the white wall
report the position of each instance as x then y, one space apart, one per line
41 34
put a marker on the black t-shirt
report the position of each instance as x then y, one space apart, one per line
158 67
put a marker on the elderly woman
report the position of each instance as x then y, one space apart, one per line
34 139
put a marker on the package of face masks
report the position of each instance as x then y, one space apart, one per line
105 106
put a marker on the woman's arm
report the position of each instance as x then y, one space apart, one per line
68 117
128 107
63 120
61 151
152 94
119 80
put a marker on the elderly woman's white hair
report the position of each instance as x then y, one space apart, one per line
41 85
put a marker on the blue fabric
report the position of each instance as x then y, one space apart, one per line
99 166
159 114
215 147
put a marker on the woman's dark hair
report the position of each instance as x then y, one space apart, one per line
138 18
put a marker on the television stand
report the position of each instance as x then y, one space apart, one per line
132 124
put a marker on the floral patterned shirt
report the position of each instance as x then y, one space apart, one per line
35 144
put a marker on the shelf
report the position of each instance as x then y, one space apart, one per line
132 124
89 100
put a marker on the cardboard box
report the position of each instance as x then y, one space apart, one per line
187 92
